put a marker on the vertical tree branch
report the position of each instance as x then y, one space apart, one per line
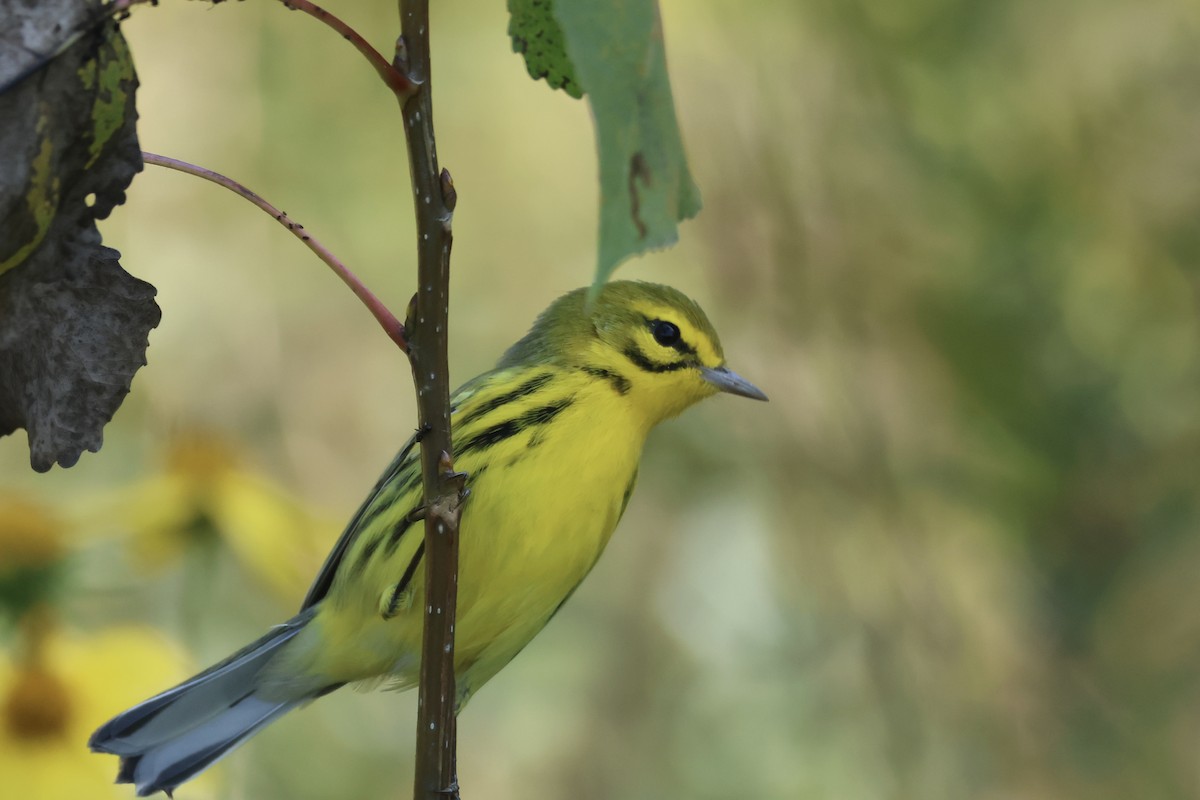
434 199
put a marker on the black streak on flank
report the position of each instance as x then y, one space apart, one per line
490 436
504 430
640 360
409 572
620 383
364 557
543 414
398 532
527 388
410 481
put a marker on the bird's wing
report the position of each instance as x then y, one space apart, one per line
407 459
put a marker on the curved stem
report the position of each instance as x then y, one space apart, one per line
391 325
396 80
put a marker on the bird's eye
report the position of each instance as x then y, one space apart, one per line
665 333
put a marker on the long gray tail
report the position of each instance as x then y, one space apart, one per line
171 737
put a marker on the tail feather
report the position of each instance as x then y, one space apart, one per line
173 736
165 766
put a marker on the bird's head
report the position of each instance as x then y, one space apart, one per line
651 342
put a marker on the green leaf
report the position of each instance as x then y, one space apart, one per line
645 186
536 35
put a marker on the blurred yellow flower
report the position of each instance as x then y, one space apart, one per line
205 496
56 689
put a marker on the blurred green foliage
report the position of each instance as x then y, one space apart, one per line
958 243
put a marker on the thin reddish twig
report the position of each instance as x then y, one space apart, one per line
392 326
397 81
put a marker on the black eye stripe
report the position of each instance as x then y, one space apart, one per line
640 360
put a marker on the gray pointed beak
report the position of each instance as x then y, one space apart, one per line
729 381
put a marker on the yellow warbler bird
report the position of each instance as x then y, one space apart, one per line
550 440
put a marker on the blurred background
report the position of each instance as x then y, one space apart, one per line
956 556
